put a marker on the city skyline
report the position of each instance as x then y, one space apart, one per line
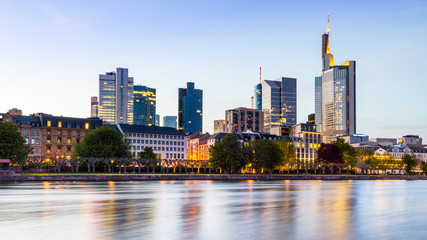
67 70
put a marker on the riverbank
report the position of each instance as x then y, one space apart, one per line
177 177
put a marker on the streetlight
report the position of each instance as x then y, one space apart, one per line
112 161
47 165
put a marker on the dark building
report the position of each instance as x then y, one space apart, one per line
144 105
190 109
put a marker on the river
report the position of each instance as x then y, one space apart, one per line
214 210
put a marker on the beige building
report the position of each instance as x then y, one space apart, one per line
220 126
243 119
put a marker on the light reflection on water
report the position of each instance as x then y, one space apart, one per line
214 210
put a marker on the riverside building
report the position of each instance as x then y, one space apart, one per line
144 105
190 109
166 142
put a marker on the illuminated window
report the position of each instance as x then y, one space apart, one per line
59 149
59 140
59 124
86 125
48 140
48 150
68 140
48 123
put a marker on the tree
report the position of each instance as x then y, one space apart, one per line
12 144
329 153
349 152
288 152
248 153
147 153
104 142
227 153
267 154
410 161
424 167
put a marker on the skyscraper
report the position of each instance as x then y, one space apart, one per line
338 95
257 98
243 119
157 123
116 97
279 103
169 121
144 105
190 109
318 102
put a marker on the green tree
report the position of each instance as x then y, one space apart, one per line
329 153
424 167
104 142
248 153
267 154
410 161
288 150
349 152
12 144
147 153
227 153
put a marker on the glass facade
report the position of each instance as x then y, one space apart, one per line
169 121
258 97
107 97
288 101
271 103
190 109
318 102
144 105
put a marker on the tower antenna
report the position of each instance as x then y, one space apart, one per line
328 23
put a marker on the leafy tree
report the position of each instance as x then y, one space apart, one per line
227 153
329 153
104 142
349 152
288 150
147 153
410 161
248 153
267 154
12 144
424 167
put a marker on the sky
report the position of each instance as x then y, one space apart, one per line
52 52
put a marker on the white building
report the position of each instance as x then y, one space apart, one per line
166 142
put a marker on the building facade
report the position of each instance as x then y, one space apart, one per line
243 119
257 98
144 105
94 107
190 109
318 102
306 141
167 143
116 97
271 104
338 95
169 121
220 126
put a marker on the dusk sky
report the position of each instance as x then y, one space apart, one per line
52 52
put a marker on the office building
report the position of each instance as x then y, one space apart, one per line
169 121
257 98
220 126
306 141
144 105
279 104
410 140
243 119
166 142
94 107
157 120
318 102
338 95
116 97
190 109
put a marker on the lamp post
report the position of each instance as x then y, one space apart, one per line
47 165
112 161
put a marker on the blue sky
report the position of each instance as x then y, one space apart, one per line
51 53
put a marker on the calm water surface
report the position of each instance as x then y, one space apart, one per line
214 210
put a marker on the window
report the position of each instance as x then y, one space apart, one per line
59 140
33 132
48 140
32 141
68 140
48 150
163 148
49 123
167 148
151 141
59 149
133 140
155 141
59 125
37 132
37 142
86 125
25 132
138 141
137 135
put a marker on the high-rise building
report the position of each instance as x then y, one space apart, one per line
116 97
169 121
144 105
220 126
94 107
190 109
338 95
318 102
157 120
257 98
279 103
243 119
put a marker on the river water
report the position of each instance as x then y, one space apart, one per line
214 210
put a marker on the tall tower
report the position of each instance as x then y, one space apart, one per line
190 109
337 91
257 98
144 105
116 97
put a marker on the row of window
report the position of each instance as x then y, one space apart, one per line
86 125
33 141
158 142
59 150
153 136
33 132
175 149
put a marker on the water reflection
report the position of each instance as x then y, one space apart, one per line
213 210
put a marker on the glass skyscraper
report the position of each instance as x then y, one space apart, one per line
116 97
190 109
144 105
337 91
257 104
318 102
288 101
169 121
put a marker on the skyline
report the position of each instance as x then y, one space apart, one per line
60 49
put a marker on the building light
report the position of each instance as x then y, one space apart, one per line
59 124
86 125
48 123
